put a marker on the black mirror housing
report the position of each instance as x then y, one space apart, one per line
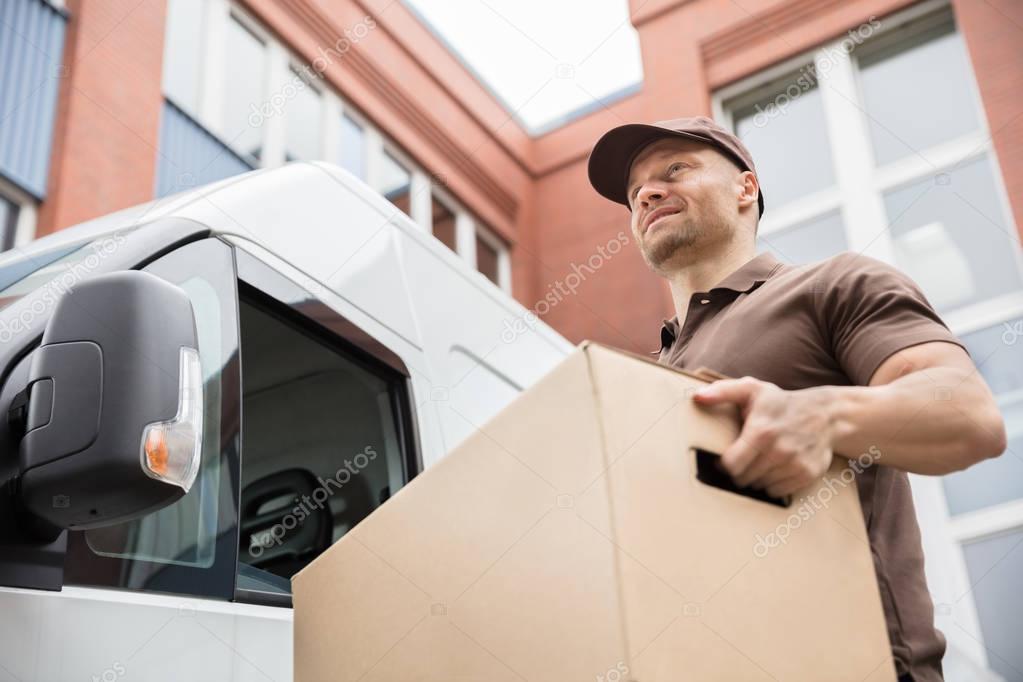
114 418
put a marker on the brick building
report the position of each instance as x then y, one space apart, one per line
890 127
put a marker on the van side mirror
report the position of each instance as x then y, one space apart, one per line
114 405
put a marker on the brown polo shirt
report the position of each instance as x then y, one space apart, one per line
830 323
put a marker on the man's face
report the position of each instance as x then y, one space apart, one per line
684 197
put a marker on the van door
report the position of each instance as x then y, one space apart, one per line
308 427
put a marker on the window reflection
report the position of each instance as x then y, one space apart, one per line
952 237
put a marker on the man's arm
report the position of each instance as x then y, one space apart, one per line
927 410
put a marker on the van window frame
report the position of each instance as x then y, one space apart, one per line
276 294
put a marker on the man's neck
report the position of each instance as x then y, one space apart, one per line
703 274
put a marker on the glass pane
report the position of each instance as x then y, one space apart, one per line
181 548
995 565
486 259
918 94
953 238
993 481
395 182
322 449
303 120
8 223
998 353
807 242
787 135
245 105
352 155
184 533
443 224
181 53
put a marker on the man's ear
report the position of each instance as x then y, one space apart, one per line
749 189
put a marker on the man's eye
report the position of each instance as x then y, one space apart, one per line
674 168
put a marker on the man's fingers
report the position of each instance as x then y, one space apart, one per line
787 486
762 467
771 476
739 456
738 391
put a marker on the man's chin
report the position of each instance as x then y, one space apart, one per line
669 251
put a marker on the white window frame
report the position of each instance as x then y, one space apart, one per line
25 224
858 195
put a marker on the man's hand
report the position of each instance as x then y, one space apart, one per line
786 438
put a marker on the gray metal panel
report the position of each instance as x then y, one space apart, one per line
190 155
31 45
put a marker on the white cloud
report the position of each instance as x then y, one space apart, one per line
543 58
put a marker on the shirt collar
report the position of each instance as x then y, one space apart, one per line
750 275
755 271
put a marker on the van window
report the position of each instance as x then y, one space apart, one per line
321 443
187 547
22 272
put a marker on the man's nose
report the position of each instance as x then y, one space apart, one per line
651 192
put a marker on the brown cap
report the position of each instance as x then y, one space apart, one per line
612 156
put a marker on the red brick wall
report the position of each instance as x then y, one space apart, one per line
108 116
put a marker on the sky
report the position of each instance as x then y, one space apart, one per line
544 59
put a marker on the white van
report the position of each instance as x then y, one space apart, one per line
165 478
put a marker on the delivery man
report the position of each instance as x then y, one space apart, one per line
845 355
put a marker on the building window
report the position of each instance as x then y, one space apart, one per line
487 258
304 117
917 91
770 122
226 77
808 241
182 53
918 188
443 224
492 257
395 182
919 175
352 155
950 235
245 81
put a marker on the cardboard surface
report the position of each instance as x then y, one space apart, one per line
569 539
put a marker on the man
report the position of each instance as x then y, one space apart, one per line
842 356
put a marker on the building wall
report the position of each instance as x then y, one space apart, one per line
533 193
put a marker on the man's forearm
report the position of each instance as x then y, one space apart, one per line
928 422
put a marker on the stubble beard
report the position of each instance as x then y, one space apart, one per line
673 245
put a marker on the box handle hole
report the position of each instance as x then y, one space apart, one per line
710 472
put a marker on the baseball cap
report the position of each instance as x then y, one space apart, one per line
612 156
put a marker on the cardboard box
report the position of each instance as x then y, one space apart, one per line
570 539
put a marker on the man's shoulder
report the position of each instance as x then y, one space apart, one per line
847 266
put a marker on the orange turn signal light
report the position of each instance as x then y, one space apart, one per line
156 452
